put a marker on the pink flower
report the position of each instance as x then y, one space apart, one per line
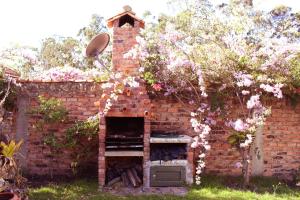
132 53
245 92
238 165
276 89
266 87
30 55
223 86
202 155
253 102
195 143
193 114
179 62
207 147
243 79
191 102
239 125
210 121
157 87
247 141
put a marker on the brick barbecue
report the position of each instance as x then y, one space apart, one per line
125 130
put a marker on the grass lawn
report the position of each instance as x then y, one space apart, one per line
213 188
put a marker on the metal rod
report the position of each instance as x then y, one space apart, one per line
101 63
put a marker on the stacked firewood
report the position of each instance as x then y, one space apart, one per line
129 177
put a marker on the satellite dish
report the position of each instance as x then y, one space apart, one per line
97 45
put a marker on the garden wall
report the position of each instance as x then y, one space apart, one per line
278 152
281 141
78 98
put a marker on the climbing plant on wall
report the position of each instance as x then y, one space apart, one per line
224 61
81 137
50 112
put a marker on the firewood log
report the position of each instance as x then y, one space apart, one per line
131 178
125 179
113 181
137 178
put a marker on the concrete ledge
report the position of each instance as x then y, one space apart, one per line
123 153
180 139
169 163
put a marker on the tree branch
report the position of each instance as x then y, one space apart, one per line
6 93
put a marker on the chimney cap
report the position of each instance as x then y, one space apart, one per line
127 11
127 8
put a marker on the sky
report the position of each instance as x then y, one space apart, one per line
27 22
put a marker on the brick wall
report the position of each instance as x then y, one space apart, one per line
78 98
281 138
170 115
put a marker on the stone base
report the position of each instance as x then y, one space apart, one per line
121 191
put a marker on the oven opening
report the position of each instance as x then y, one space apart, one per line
168 152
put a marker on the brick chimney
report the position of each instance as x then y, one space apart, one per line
133 103
126 26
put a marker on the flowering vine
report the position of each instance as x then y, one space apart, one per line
114 87
222 68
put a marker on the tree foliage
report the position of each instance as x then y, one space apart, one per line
57 52
61 53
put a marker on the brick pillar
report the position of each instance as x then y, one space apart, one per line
146 175
101 155
190 168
